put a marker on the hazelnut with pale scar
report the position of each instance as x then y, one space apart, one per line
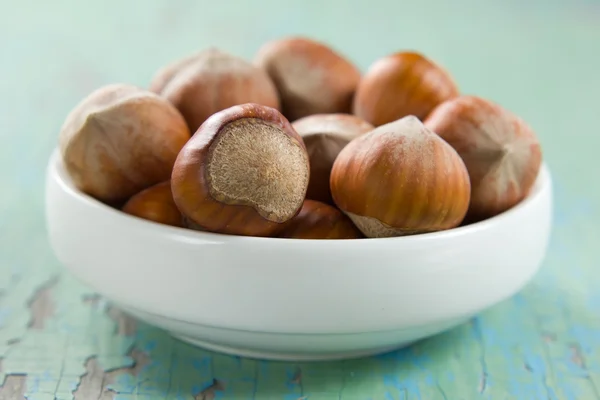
244 172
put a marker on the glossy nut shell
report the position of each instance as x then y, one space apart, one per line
402 84
317 220
155 204
400 179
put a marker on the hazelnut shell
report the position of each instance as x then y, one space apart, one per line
120 140
311 77
501 152
325 135
402 84
400 179
211 81
155 204
244 172
318 220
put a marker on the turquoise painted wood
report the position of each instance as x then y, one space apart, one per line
540 59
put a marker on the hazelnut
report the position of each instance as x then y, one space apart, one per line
120 140
400 179
325 135
188 223
155 204
501 152
211 81
402 84
311 77
318 220
165 74
244 172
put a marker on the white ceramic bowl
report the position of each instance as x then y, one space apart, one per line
296 299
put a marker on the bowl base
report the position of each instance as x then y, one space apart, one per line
284 356
290 346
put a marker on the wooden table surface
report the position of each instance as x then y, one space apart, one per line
58 340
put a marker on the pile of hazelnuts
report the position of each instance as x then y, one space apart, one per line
298 143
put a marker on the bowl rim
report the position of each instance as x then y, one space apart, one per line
57 172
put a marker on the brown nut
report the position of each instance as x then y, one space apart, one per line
311 78
325 135
402 84
188 223
120 140
501 152
400 179
155 204
211 81
318 220
244 172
